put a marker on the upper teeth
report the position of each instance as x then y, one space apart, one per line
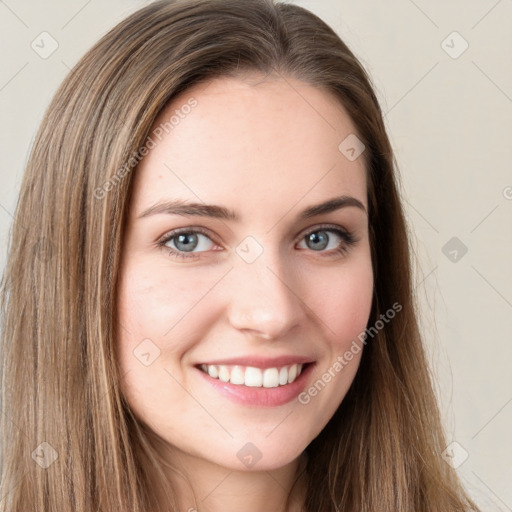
254 377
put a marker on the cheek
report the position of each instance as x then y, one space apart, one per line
153 299
343 303
342 306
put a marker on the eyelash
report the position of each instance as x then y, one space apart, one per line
347 237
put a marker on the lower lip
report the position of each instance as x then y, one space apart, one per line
260 396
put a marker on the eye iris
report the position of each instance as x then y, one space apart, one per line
189 246
315 238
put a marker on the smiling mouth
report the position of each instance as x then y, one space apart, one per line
254 377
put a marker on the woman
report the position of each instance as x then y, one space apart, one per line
208 294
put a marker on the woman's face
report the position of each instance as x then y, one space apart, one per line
218 320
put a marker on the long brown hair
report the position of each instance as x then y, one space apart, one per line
68 440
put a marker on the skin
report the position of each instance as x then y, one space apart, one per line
267 148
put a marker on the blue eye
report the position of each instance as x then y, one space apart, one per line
319 239
183 243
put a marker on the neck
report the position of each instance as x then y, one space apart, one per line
203 486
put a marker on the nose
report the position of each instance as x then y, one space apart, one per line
263 299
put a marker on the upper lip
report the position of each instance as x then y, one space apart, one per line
260 362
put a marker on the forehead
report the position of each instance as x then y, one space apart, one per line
250 142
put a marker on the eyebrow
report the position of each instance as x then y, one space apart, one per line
185 208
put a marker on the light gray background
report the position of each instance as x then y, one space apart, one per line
448 117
